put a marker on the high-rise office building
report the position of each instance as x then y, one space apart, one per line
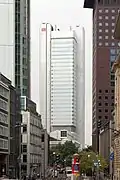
15 43
62 80
105 50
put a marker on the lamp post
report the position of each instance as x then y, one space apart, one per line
19 157
54 162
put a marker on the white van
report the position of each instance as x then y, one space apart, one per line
69 174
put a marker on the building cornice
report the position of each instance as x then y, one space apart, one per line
89 4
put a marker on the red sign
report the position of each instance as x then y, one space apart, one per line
76 164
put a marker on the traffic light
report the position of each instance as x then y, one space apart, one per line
57 158
99 124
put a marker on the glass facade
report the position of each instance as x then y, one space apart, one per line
22 46
63 81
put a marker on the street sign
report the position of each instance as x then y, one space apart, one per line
112 156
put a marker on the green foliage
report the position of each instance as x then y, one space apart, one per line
65 151
87 160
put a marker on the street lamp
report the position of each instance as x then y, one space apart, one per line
19 157
54 162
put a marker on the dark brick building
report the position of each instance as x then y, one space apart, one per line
105 50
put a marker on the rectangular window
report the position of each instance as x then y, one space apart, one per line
24 148
24 158
63 133
112 58
113 51
24 129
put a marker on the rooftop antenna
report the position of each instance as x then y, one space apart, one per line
70 28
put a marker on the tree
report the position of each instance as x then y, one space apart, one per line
65 151
89 160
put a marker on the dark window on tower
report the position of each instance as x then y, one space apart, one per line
100 90
42 138
100 104
106 97
24 148
106 117
106 104
113 83
24 129
113 91
106 91
100 110
24 158
106 110
99 117
100 97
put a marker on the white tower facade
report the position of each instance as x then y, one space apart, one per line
62 80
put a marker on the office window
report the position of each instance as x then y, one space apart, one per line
113 10
100 30
113 17
106 44
113 24
106 97
106 30
24 158
112 77
100 90
99 104
100 37
106 37
100 17
42 139
100 10
100 24
112 44
24 148
113 30
25 129
106 104
106 24
113 51
100 110
100 44
63 133
99 117
106 17
106 117
100 97
112 58
106 91
106 10
113 83
106 110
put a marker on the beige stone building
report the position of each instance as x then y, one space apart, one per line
116 68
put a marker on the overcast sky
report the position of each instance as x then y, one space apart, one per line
62 13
